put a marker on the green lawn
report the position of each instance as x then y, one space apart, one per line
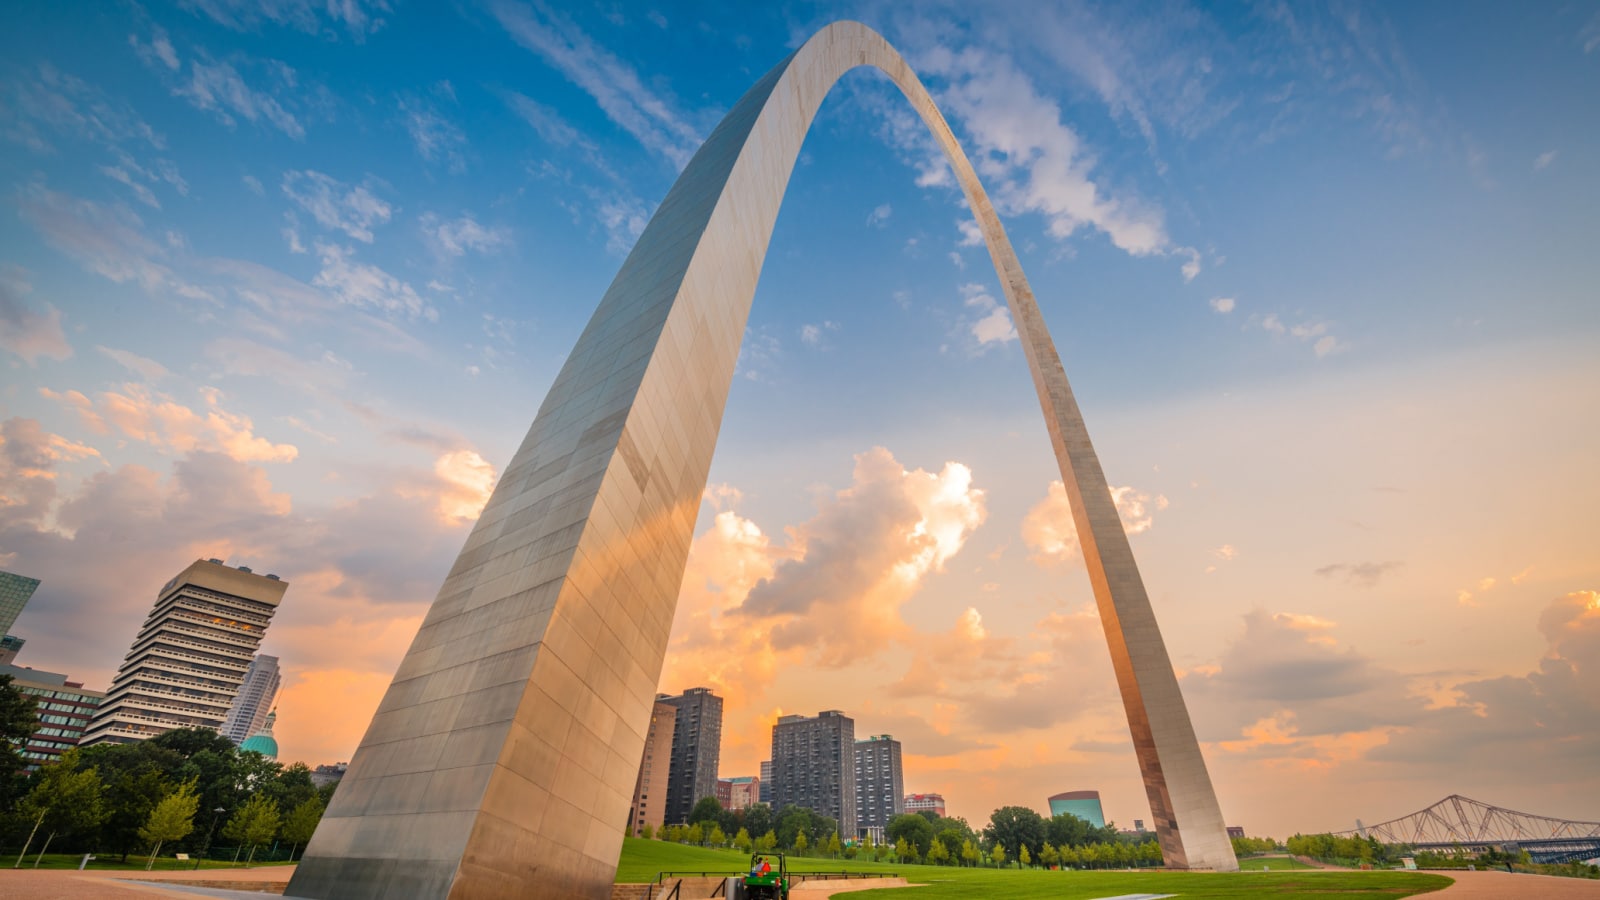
1273 863
134 863
641 860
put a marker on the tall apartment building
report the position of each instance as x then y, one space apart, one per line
696 751
650 790
14 593
766 782
880 784
813 765
250 708
933 803
191 654
64 709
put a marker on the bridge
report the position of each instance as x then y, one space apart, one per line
1458 822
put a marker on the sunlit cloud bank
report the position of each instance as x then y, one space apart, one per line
361 572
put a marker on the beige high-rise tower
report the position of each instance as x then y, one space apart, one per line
501 761
191 654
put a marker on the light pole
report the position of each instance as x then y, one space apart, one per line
209 831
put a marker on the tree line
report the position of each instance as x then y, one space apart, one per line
1015 835
183 791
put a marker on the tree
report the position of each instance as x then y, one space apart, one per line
903 848
649 832
1049 856
1069 856
1024 858
707 810
834 846
800 842
916 830
19 719
171 820
254 824
937 854
65 801
768 842
758 819
717 837
970 853
999 855
742 840
1015 827
1067 830
301 823
696 834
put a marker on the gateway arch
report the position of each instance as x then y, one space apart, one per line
502 759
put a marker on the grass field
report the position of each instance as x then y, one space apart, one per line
1273 863
641 860
134 863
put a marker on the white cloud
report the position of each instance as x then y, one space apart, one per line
437 139
971 233
993 323
159 50
352 210
140 192
1192 267
49 102
1222 305
170 426
133 362
458 236
1032 160
1049 531
615 86
217 87
1544 160
254 184
1329 345
23 331
1311 330
358 17
879 216
368 287
106 240
811 335
867 551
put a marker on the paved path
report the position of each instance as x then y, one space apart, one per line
1506 886
121 884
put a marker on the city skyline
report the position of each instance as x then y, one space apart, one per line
1390 309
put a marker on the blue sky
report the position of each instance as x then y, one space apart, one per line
285 282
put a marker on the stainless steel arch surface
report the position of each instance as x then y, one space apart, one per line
501 760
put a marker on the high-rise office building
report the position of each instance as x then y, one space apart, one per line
191 654
813 765
696 751
880 784
14 593
766 782
254 701
1083 804
64 708
650 790
933 803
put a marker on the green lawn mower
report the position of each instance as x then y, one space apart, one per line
768 878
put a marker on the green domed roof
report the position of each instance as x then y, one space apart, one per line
264 744
262 741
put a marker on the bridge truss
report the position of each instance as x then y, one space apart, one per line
1468 824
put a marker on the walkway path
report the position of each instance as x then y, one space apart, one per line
1506 886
